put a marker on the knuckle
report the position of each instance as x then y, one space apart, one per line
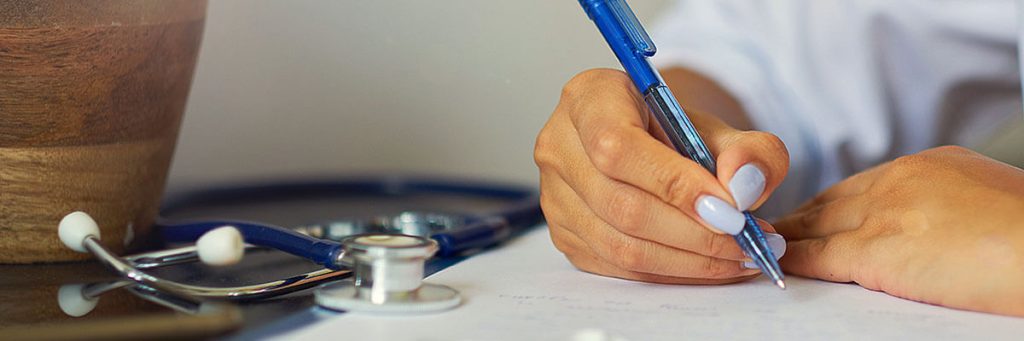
577 85
908 161
627 212
678 189
715 245
626 256
821 248
715 268
950 149
770 148
543 150
771 142
632 259
561 244
582 82
607 149
579 263
899 170
585 83
906 164
774 145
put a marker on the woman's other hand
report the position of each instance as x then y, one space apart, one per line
945 226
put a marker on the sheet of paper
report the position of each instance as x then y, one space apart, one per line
526 290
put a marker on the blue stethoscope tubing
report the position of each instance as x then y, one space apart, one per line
479 231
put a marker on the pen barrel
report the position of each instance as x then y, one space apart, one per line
616 33
677 126
753 242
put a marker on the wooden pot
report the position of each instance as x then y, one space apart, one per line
91 97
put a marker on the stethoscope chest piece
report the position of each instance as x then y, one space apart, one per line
388 277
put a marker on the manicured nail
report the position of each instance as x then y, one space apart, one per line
720 215
778 245
746 186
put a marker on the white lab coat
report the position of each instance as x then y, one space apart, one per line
848 84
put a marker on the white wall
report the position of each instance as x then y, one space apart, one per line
456 87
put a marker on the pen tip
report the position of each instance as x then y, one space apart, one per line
781 284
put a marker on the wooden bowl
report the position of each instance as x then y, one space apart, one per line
91 97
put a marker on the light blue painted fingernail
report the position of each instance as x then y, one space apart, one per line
747 185
720 215
778 245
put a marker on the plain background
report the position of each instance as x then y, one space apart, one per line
454 87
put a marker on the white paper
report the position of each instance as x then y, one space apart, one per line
526 290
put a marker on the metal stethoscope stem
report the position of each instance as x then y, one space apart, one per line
257 291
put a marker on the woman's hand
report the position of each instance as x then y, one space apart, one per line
945 226
620 202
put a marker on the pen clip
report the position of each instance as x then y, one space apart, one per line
642 42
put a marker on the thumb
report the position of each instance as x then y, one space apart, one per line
751 164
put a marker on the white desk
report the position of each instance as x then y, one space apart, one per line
526 290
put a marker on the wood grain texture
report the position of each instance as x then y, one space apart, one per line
91 98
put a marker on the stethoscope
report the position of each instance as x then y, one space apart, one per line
384 255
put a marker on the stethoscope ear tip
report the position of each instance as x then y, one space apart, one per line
221 246
73 301
75 227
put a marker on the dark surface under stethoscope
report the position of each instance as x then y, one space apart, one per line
298 208
261 265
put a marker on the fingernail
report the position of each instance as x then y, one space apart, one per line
778 245
719 214
746 186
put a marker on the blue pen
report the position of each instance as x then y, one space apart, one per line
633 46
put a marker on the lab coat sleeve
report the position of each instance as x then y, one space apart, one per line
848 84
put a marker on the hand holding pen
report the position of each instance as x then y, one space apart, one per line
633 207
621 202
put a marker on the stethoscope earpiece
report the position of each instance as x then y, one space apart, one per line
74 228
73 300
221 246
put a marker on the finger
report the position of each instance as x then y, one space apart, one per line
854 185
610 91
629 154
630 253
844 214
628 209
566 242
751 164
612 130
832 258
637 213
589 263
